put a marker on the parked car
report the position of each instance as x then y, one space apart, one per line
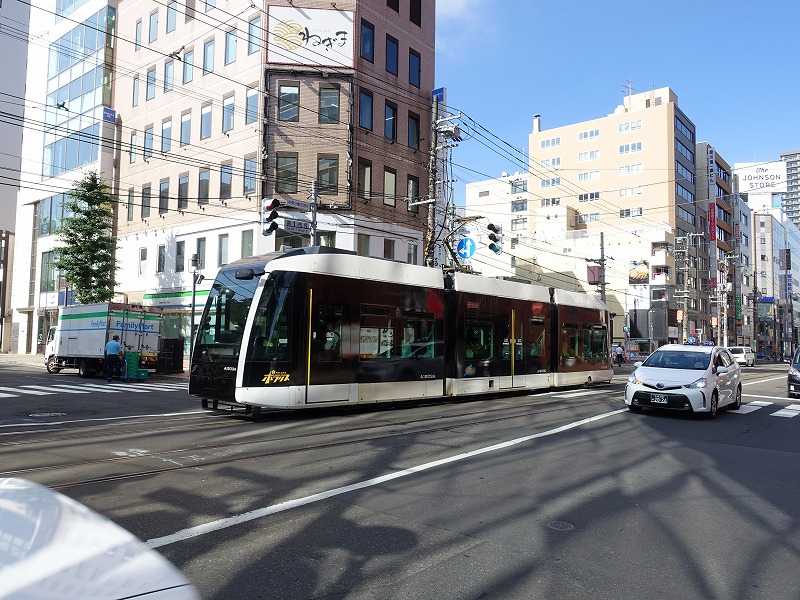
697 379
743 355
793 379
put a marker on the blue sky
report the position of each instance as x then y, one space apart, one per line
732 64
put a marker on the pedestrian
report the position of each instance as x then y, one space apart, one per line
619 351
113 358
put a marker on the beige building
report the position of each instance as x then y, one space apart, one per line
292 102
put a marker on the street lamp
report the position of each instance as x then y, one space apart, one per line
194 262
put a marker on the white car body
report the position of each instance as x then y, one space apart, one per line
697 379
743 355
58 548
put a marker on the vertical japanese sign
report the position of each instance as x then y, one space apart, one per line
712 221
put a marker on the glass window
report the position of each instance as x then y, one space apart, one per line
132 152
414 68
183 192
415 12
364 179
131 203
367 41
251 109
225 181
153 27
249 174
208 57
142 261
210 4
166 135
365 110
180 256
254 35
390 122
151 84
222 250
329 105
145 201
203 184
186 128
188 64
148 142
412 189
389 187
135 91
328 175
172 13
413 130
363 244
286 182
163 197
201 253
205 122
247 243
230 46
391 55
227 113
137 43
169 75
289 103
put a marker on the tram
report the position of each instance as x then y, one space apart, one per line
318 326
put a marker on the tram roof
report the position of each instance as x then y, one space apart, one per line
503 288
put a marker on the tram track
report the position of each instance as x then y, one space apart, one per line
415 426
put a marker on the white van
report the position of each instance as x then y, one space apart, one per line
743 355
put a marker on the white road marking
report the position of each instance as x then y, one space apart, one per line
191 532
100 419
763 380
22 390
577 394
790 411
767 397
59 388
97 387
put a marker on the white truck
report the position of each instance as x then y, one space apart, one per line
79 340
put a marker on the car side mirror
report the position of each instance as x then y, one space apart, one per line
721 370
638 364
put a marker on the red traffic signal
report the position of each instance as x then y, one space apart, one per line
269 214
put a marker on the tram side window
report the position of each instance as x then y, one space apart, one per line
418 340
376 335
327 335
599 344
570 341
478 339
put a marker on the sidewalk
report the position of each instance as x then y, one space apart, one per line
38 359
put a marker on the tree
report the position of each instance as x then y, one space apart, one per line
86 261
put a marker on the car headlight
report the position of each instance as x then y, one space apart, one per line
793 371
632 378
700 383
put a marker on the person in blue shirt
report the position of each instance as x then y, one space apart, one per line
113 360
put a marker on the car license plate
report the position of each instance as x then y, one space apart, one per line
658 398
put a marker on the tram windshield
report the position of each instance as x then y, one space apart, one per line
222 324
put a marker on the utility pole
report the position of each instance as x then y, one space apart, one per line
602 262
428 251
756 294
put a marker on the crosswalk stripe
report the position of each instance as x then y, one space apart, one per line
790 411
8 395
59 388
96 387
750 407
577 394
21 390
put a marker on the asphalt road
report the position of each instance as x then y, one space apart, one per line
552 495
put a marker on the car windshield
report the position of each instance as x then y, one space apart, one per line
678 359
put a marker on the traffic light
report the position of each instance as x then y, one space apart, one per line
496 238
269 215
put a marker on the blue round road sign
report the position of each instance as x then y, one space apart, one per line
465 248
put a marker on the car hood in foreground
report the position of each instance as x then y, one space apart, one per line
59 548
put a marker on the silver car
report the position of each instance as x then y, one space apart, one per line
743 355
698 379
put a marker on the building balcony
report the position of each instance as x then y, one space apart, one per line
662 279
659 257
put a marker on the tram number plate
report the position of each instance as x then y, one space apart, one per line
658 398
